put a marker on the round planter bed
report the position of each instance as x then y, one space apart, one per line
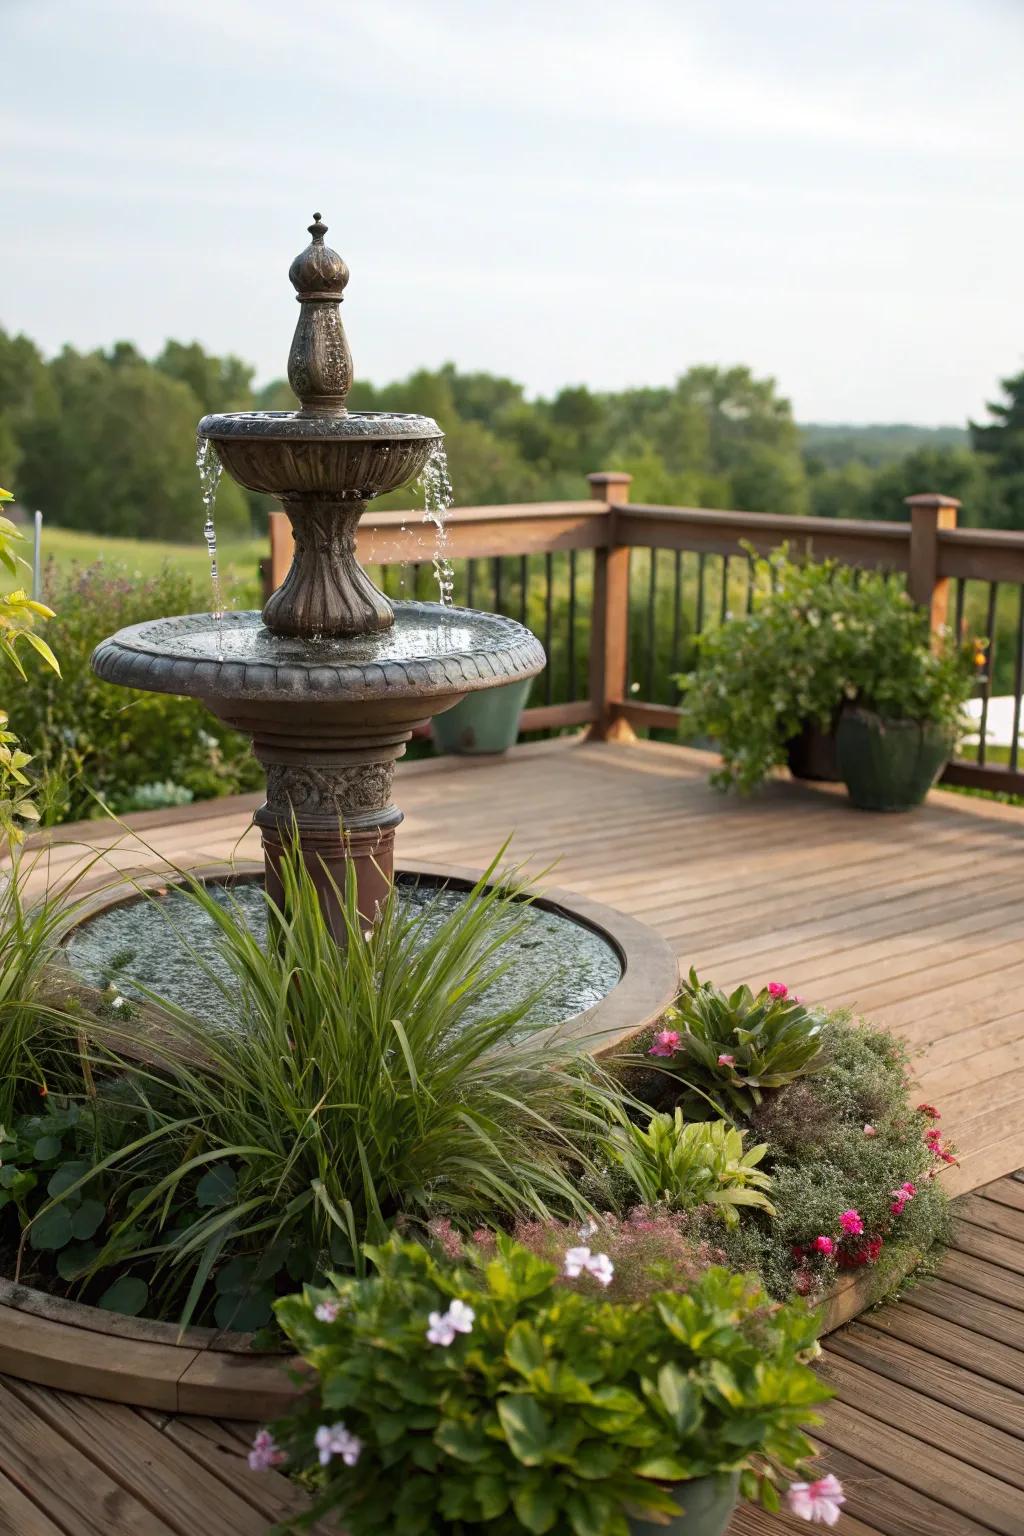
73 1348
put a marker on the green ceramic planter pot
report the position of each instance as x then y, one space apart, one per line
487 721
890 765
707 1504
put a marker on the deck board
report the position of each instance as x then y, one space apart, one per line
915 920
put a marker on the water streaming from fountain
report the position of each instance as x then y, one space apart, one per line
210 470
437 499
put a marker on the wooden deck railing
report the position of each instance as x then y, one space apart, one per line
618 591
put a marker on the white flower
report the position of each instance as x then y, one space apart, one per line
588 1228
444 1326
326 1311
818 1501
335 1440
601 1269
119 1002
598 1266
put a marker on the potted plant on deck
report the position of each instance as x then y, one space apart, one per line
502 1392
906 694
485 721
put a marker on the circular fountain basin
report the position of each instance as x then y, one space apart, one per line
561 966
430 652
292 453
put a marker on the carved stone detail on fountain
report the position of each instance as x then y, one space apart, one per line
348 791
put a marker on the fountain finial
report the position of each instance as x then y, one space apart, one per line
319 363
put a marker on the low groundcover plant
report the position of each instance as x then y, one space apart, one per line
508 1393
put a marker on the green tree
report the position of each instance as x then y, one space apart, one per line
1001 443
115 452
218 383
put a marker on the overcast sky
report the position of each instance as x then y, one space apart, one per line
831 191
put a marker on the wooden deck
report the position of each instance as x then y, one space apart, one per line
916 921
926 1431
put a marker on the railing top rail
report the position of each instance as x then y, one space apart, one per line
783 524
511 512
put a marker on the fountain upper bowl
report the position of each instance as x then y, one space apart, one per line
352 456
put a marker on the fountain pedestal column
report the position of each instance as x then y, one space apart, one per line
339 810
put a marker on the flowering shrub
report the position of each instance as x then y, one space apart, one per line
537 1407
19 615
731 1048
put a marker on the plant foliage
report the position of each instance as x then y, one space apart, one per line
683 1165
557 1411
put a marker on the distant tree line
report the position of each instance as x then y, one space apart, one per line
104 441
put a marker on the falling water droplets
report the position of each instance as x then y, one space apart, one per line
210 470
437 500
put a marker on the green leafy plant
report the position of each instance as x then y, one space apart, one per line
365 1086
19 615
684 1165
503 1397
99 742
819 635
735 1046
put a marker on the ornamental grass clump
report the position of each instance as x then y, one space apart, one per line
489 1395
363 1086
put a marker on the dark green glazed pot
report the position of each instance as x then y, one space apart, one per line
890 765
707 1504
487 721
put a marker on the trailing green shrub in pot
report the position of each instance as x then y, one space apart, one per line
908 691
501 1392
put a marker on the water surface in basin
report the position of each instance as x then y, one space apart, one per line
153 945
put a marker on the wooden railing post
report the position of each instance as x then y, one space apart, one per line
929 512
609 630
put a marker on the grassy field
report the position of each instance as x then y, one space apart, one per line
239 559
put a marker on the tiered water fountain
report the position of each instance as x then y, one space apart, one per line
332 678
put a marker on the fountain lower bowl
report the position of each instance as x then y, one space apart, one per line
430 652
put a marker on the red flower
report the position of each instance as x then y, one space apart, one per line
929 1110
777 989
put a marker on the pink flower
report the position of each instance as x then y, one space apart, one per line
929 1110
777 989
869 1130
851 1223
327 1311
818 1501
909 1189
666 1043
725 1060
825 1245
265 1452
335 1440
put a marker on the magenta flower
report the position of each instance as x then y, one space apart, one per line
666 1043
265 1452
818 1501
335 1440
327 1311
777 989
825 1245
725 1060
851 1223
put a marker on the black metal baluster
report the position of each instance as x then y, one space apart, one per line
549 671
572 626
677 609
725 588
1018 680
750 583
986 692
959 621
524 576
652 600
470 582
497 584
702 561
